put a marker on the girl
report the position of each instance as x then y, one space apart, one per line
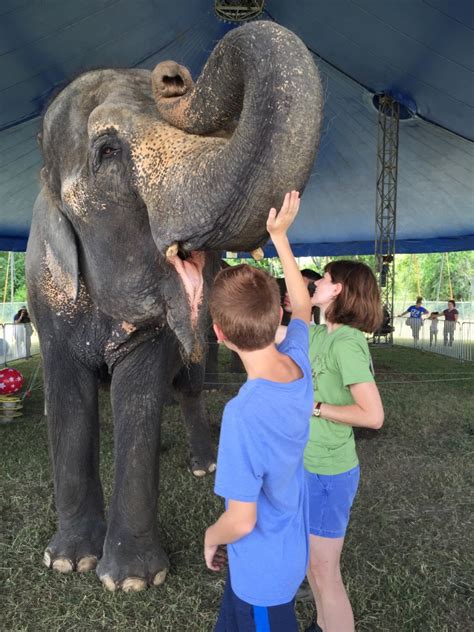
345 395
450 318
433 328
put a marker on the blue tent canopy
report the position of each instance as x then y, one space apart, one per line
419 51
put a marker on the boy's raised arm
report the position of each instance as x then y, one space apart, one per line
277 226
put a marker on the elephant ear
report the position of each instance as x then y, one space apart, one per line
59 245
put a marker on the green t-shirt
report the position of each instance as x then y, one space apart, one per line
338 359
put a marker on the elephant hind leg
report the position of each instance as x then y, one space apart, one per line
188 386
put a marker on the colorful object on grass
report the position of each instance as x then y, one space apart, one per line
11 381
10 407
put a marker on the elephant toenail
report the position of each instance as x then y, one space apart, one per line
86 563
47 559
160 577
133 584
63 565
108 583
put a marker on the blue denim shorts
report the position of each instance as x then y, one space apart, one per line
330 502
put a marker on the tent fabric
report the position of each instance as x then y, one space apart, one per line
420 53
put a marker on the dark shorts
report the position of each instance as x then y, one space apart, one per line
330 502
239 616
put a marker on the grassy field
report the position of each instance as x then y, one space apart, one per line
408 560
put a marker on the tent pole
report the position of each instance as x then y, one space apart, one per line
12 283
5 287
440 278
451 295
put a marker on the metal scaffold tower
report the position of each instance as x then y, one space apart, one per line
386 204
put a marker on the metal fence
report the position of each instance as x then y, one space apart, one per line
453 339
17 341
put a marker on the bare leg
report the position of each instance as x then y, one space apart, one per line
317 600
334 608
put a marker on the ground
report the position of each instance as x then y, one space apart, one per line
408 560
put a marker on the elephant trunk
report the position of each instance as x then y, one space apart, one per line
263 74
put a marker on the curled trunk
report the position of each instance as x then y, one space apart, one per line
263 74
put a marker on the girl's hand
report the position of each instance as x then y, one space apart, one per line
278 224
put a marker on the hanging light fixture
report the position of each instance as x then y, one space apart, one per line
238 10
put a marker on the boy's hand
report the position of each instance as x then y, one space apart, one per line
278 224
215 556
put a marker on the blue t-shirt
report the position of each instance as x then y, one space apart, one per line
416 311
263 436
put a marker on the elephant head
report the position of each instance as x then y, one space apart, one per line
140 181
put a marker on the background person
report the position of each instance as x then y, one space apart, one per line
451 316
386 325
415 319
23 333
310 277
433 328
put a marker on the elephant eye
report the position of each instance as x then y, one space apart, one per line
107 147
107 151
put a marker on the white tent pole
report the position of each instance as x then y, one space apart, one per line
12 278
440 278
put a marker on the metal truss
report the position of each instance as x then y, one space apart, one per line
238 10
386 204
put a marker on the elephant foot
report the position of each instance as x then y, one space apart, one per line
200 466
76 548
132 563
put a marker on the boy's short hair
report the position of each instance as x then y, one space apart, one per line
358 304
419 299
245 303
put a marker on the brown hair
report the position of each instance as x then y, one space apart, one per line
419 300
358 304
245 303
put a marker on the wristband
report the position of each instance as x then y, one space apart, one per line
317 409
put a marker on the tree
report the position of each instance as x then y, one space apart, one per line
429 275
19 290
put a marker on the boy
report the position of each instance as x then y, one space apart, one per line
264 432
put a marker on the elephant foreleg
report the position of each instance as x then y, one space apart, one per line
133 557
71 403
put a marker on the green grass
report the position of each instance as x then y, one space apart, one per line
408 558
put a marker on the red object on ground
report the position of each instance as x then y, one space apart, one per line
11 381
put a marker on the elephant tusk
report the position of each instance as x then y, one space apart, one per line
172 250
257 254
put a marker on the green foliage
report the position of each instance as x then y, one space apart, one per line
272 266
425 274
428 275
19 290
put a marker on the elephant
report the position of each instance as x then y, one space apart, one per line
147 177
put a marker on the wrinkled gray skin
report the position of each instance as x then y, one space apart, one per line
133 163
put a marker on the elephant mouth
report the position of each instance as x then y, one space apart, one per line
189 267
